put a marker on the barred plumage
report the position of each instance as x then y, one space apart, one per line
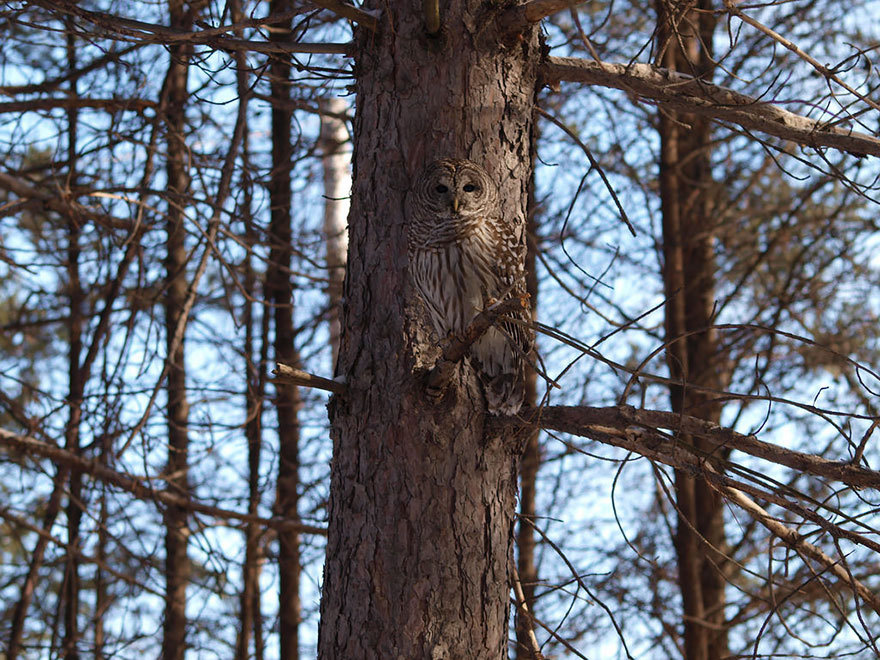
461 254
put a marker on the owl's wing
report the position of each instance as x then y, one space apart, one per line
510 256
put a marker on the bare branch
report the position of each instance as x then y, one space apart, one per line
794 48
128 29
579 420
112 105
352 13
136 486
457 346
519 17
683 92
284 373
797 542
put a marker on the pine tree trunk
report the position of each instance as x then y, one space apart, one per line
279 292
177 568
693 355
526 567
422 500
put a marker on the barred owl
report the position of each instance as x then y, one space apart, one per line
461 253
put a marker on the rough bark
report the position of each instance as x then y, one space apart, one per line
177 568
279 292
422 500
684 42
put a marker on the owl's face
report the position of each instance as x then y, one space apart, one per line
456 188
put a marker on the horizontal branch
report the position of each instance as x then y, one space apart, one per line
135 104
129 29
682 92
288 375
59 201
578 420
349 11
519 17
136 486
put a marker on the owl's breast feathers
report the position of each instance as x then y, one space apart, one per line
457 268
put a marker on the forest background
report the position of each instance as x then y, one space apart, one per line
697 188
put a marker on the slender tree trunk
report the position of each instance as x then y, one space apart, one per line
685 34
177 567
531 458
279 292
336 162
422 500
255 386
71 596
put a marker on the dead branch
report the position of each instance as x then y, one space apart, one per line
127 29
138 486
349 11
457 346
688 94
112 105
581 420
798 543
519 17
289 375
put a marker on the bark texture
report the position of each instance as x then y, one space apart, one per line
422 500
685 36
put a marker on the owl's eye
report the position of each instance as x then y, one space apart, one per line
469 187
441 189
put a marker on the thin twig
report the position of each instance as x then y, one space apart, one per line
824 70
523 611
594 164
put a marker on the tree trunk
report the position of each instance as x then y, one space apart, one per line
255 389
692 354
336 162
279 292
177 568
71 596
422 501
531 457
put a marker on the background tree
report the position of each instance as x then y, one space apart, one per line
189 208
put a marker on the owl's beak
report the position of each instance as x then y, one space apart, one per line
455 204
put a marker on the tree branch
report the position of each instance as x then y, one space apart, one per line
798 543
135 485
128 29
683 92
519 17
284 373
583 420
112 105
457 346
352 13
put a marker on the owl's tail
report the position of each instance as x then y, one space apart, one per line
504 392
